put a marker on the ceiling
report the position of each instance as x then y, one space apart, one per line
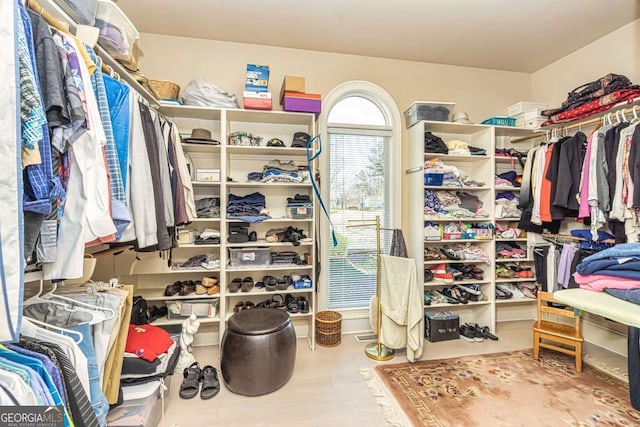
498 34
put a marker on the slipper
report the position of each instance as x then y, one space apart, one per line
270 283
303 305
215 289
235 285
210 382
247 284
239 307
248 305
200 288
450 253
191 382
282 285
208 282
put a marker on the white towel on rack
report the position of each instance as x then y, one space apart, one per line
401 306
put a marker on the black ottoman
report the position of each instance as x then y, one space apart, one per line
258 351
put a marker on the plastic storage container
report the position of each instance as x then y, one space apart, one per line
240 257
500 121
142 405
81 11
117 33
428 110
300 212
523 107
183 309
435 179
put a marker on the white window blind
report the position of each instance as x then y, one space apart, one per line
357 192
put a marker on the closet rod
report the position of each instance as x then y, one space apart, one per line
580 124
52 21
571 238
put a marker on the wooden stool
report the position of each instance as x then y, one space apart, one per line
556 332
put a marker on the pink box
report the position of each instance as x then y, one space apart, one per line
302 105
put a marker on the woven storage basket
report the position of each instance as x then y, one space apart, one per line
165 89
328 328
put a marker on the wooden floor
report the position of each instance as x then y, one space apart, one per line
326 388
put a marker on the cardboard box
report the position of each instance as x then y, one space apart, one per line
257 100
208 175
441 326
302 104
294 84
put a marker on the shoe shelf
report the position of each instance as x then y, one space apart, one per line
258 291
264 243
516 279
283 267
451 261
501 159
200 148
454 219
523 300
446 304
479 169
277 220
158 295
514 259
434 284
205 220
269 151
205 183
268 184
456 187
428 242
454 158
166 322
236 162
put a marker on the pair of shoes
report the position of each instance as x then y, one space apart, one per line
156 312
469 333
296 305
503 293
180 288
276 301
193 376
246 305
208 285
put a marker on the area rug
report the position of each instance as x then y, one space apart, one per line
505 389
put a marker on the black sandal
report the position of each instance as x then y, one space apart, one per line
191 382
210 382
247 284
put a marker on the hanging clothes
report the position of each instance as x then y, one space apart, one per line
11 225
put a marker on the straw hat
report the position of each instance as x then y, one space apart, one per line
201 136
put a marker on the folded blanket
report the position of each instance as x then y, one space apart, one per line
599 105
598 282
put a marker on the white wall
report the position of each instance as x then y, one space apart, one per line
617 52
480 92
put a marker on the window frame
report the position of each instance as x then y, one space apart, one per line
387 105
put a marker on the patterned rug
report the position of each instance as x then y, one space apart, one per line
507 389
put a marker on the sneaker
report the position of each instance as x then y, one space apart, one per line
486 332
467 334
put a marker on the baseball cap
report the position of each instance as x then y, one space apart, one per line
275 142
300 139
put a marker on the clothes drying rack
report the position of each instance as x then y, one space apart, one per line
377 350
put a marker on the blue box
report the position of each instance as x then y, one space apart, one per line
303 283
257 78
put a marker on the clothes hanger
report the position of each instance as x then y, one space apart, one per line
76 334
97 314
81 305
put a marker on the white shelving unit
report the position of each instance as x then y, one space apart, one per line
235 162
479 168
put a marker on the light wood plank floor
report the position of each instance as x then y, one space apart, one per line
326 388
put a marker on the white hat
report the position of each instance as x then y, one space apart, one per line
461 117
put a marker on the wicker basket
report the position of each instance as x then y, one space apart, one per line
165 89
328 328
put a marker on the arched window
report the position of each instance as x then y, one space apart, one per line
362 150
